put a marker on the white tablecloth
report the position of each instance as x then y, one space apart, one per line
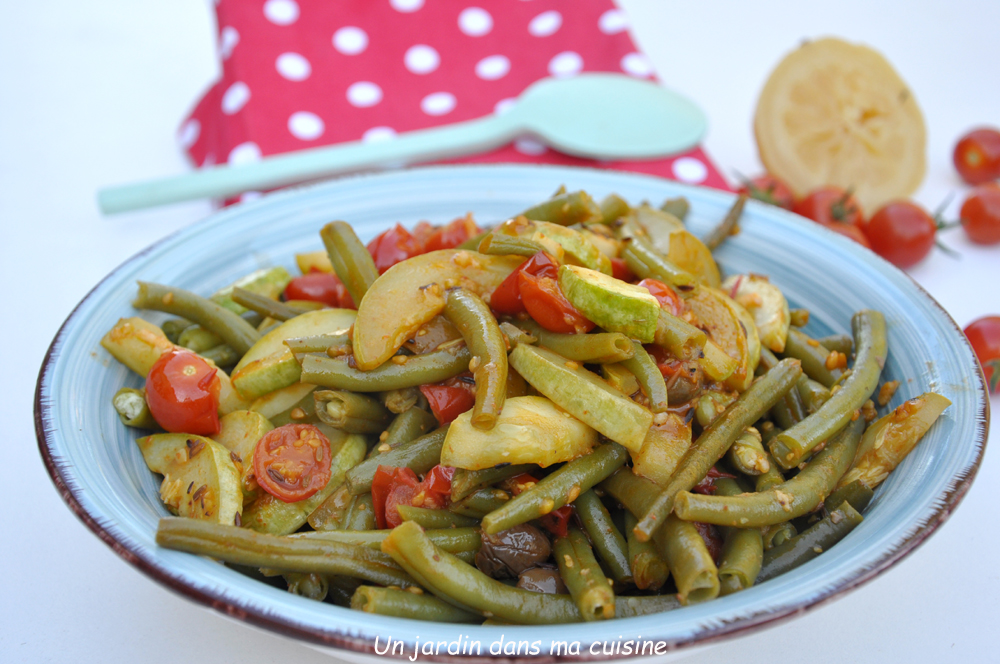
92 93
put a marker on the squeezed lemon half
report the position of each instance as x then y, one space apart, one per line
836 113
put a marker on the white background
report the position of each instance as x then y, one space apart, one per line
91 94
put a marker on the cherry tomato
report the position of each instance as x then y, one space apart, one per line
292 462
984 335
769 189
506 298
182 391
667 297
902 233
319 287
981 214
394 246
392 487
452 234
850 231
549 307
977 155
447 402
828 204
557 521
619 270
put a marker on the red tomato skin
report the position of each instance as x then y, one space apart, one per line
394 246
980 214
830 204
447 402
713 540
549 307
668 298
506 298
437 483
279 445
557 521
849 231
395 485
316 287
619 270
902 233
182 391
769 189
984 335
452 235
977 155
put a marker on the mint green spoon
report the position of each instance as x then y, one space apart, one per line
599 116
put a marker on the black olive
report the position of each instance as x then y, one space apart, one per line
685 384
543 579
510 552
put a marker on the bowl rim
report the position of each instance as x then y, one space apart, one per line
332 638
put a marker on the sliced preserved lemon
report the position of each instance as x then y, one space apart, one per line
836 113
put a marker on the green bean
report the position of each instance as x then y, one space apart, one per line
428 518
812 394
747 454
501 244
289 554
466 587
798 496
636 494
130 404
466 482
857 493
609 543
401 400
586 582
566 209
419 455
804 547
515 335
771 477
645 370
768 434
798 317
679 207
360 514
842 343
630 607
728 225
557 489
331 513
710 405
613 207
405 604
229 326
742 549
691 565
338 374
266 306
813 357
620 378
480 503
716 439
319 343
790 446
407 426
649 569
310 586
597 348
302 411
473 242
350 259
778 534
583 395
473 319
452 540
198 339
678 336
645 261
222 355
172 327
350 412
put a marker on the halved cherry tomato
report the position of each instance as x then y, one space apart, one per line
977 155
619 270
769 189
452 234
319 287
392 487
549 307
902 233
182 391
667 297
292 462
981 214
448 401
506 298
829 204
394 246
984 335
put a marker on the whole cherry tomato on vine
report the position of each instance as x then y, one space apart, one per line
901 232
981 214
769 189
977 155
984 335
830 204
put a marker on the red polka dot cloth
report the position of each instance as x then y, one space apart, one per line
303 73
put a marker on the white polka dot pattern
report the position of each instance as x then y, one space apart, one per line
612 22
188 134
637 64
306 126
293 66
438 103
244 153
350 40
475 22
504 105
421 59
281 12
229 37
235 97
379 135
364 94
690 170
530 146
406 6
567 63
545 24
493 67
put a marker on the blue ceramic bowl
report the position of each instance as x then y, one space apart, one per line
98 469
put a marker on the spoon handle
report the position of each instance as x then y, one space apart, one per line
452 140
